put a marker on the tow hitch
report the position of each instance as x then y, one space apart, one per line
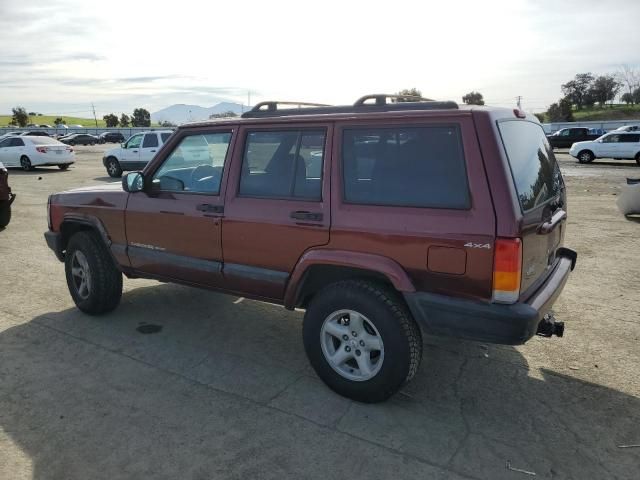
549 327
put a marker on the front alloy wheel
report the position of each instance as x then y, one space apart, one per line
81 274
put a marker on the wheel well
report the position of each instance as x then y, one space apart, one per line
69 229
586 150
317 277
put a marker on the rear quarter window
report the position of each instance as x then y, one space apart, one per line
534 168
405 166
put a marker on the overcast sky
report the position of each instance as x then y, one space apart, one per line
60 56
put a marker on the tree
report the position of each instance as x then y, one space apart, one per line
473 98
20 116
636 95
167 123
59 121
227 114
111 120
412 92
560 111
32 114
627 98
577 89
604 89
540 117
629 77
124 120
141 118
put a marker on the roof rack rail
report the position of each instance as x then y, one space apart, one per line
381 99
273 106
363 104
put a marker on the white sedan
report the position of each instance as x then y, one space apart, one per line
30 152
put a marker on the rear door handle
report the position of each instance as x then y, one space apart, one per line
209 208
309 216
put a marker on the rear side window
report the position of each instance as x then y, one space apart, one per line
165 137
630 138
16 142
285 164
534 168
405 166
150 140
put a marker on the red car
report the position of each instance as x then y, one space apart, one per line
381 219
6 197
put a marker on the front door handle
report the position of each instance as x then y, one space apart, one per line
153 151
309 216
209 208
134 151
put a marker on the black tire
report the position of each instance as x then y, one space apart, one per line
5 214
586 156
105 280
638 158
400 335
25 163
64 166
72 144
113 167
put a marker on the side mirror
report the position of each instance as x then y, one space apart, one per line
133 182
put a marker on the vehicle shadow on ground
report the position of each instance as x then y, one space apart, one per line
107 179
224 390
615 164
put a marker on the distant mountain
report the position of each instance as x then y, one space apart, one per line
181 113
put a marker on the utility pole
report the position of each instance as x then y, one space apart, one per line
94 115
519 102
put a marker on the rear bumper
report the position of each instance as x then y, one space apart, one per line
54 242
490 322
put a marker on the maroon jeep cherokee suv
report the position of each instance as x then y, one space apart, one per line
382 219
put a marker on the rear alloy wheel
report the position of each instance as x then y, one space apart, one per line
113 167
25 163
361 340
586 156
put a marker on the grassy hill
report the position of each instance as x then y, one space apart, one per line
613 112
48 120
608 112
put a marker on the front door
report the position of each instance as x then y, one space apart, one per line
610 146
174 226
277 206
131 152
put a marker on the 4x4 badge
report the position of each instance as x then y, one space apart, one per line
478 245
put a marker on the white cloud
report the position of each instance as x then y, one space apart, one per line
153 54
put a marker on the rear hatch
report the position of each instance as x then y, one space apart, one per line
542 198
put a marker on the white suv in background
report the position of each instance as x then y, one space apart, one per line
617 145
135 153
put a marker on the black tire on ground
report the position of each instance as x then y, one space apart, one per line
400 336
25 163
586 156
104 285
72 143
113 167
63 166
92 143
5 214
638 158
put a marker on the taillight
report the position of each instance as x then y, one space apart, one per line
507 270
42 149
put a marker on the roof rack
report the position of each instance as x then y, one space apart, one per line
363 104
381 99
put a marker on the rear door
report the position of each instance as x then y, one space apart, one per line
629 146
150 146
541 196
277 205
